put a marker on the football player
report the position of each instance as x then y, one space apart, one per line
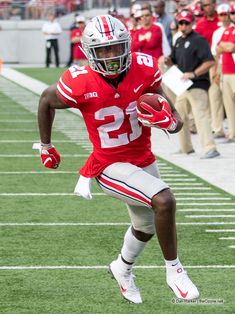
106 92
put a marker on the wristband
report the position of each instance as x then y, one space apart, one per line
46 146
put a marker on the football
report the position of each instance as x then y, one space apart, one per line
153 100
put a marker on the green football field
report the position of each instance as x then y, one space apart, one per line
55 247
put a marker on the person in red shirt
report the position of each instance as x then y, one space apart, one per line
149 38
76 35
226 48
209 22
106 93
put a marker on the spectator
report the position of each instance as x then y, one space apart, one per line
209 22
193 57
76 34
34 9
196 9
73 26
226 48
175 33
5 8
215 91
52 29
163 18
133 24
149 38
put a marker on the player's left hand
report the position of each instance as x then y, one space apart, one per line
49 156
163 119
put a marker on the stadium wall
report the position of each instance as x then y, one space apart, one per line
23 42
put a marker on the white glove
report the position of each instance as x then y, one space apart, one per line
83 188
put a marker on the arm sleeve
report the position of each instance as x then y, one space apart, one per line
64 90
155 78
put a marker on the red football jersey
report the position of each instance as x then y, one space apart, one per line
110 113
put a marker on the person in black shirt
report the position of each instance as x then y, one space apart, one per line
193 57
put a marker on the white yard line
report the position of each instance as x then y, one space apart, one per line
38 172
33 141
45 194
181 180
205 210
83 267
183 184
204 198
197 193
36 155
208 204
210 216
18 121
228 238
194 188
220 230
98 224
231 246
18 130
99 194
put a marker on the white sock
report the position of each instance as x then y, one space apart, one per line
172 263
131 249
173 267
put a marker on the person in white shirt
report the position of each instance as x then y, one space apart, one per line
52 29
215 91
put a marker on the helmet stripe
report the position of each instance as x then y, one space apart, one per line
106 26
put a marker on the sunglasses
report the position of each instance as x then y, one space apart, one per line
206 5
145 15
232 13
223 14
184 23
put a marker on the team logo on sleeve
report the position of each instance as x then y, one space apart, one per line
91 95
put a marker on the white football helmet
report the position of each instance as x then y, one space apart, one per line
106 43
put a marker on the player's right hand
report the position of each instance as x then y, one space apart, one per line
49 156
163 119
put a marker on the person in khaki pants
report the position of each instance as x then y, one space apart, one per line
193 57
215 90
226 48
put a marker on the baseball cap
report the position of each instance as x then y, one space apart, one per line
196 10
222 8
232 8
137 14
80 18
185 16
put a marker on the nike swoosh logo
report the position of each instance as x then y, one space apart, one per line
165 120
138 88
46 160
122 289
183 294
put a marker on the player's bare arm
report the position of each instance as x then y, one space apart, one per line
179 126
49 101
46 111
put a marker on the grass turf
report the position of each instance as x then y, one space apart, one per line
92 290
